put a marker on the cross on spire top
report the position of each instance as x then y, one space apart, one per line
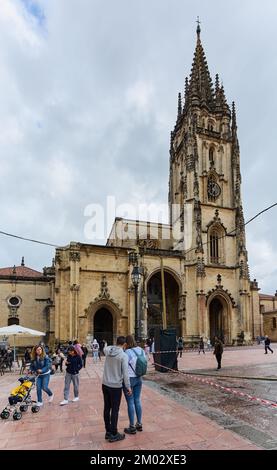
198 29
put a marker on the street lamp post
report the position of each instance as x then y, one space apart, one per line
136 275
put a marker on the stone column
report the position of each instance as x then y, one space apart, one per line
74 259
182 313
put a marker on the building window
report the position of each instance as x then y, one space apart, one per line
210 126
214 248
274 323
14 301
216 245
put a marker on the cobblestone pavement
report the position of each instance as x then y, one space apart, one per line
169 422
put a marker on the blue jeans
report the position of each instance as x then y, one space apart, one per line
133 401
42 384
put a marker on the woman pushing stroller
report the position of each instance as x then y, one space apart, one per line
41 366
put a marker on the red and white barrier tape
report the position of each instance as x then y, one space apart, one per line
262 401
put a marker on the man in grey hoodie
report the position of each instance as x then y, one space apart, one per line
115 373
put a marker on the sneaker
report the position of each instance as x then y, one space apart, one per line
139 427
64 402
108 435
130 430
39 403
50 399
117 437
76 399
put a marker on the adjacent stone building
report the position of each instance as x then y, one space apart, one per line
268 310
26 298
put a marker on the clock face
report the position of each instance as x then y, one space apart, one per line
213 189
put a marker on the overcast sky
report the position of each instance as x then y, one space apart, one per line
88 97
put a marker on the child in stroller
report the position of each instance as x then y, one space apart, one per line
20 399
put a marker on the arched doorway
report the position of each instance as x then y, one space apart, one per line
103 325
219 319
155 303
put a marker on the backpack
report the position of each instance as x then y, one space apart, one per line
141 364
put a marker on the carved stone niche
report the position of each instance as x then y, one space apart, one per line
74 256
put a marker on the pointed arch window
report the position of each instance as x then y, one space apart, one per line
211 126
214 247
216 244
211 155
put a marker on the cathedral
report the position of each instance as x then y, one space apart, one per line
190 274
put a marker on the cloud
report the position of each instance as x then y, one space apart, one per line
263 262
139 96
17 25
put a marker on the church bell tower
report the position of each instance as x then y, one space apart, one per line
205 177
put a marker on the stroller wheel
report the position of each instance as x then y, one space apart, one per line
35 409
23 408
17 415
5 414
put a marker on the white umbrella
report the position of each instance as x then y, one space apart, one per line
20 331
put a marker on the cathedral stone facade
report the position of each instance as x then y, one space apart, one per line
204 268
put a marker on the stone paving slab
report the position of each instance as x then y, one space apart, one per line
230 358
167 424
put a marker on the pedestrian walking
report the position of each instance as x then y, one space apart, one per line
41 366
95 350
78 348
218 351
73 366
266 345
102 344
201 346
147 351
58 359
180 346
115 373
85 353
134 353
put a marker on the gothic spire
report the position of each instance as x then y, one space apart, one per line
200 89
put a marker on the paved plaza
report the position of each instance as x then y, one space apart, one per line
167 423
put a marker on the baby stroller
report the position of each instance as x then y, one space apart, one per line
20 399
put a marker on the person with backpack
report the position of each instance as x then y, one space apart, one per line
137 367
115 373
